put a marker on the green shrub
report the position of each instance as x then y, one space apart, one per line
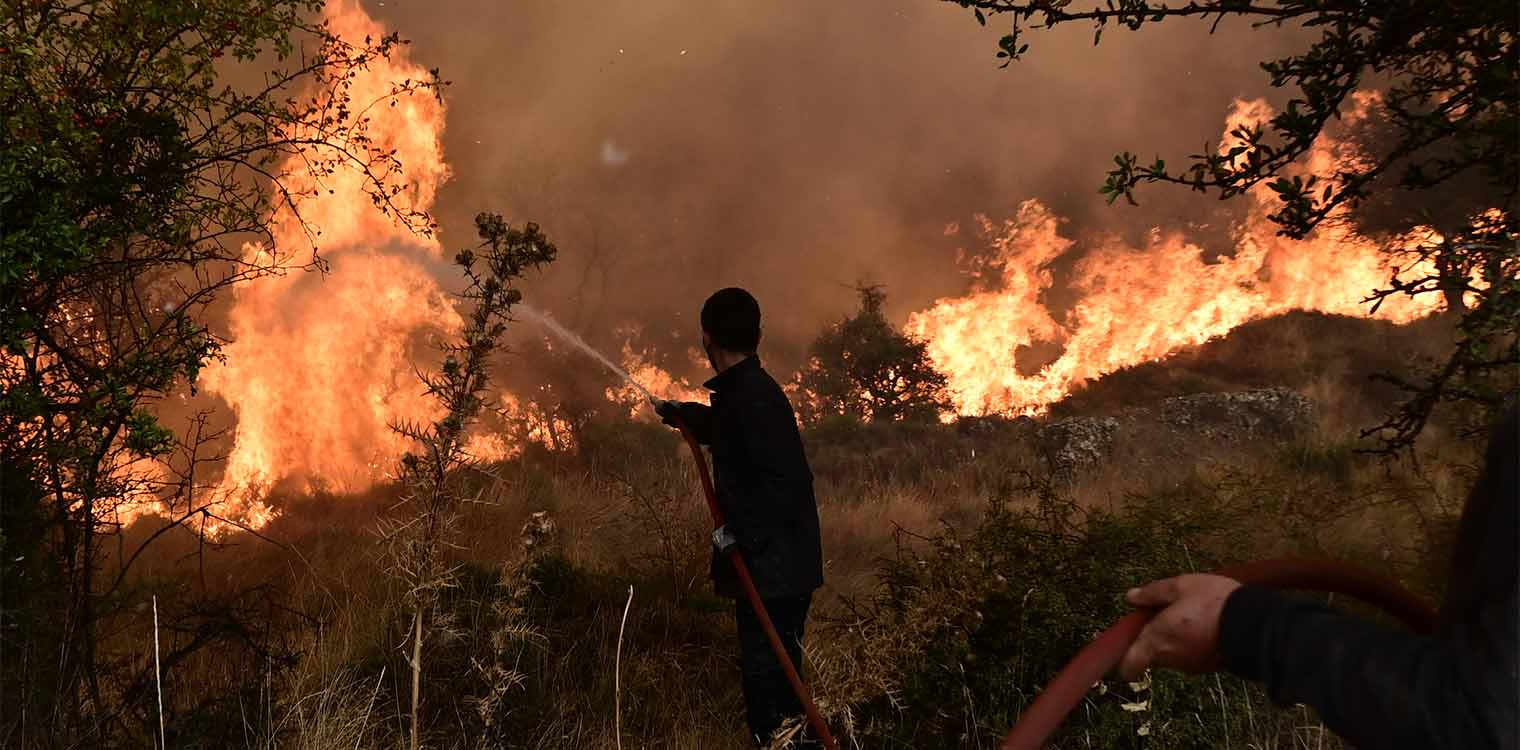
968 627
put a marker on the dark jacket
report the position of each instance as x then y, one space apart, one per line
764 485
1384 688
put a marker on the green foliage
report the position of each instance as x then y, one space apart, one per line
864 368
969 626
146 437
141 152
131 174
970 623
994 614
1447 75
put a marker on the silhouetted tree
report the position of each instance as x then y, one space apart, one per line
1447 73
866 368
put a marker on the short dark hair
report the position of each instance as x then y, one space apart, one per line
731 317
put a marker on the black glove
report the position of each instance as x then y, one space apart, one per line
669 411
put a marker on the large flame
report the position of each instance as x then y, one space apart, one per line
1136 304
320 364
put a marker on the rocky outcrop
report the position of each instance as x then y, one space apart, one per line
1073 444
1242 415
1176 428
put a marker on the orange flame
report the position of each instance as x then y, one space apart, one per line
532 422
1141 303
320 364
661 383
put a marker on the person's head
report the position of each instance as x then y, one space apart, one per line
730 327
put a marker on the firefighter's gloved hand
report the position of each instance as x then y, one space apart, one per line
669 412
723 538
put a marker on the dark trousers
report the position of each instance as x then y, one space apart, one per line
768 696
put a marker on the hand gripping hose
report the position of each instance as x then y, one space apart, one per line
1098 658
819 727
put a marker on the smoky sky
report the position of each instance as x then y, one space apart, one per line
795 147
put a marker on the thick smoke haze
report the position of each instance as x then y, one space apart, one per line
794 148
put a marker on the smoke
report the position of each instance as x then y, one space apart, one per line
791 148
796 147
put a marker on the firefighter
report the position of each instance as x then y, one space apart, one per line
765 490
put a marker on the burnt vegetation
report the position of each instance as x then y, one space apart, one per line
473 603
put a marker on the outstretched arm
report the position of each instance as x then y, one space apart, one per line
698 418
1374 686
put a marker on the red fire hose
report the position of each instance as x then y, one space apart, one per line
814 718
1097 659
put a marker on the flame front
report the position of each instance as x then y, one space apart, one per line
320 364
1137 304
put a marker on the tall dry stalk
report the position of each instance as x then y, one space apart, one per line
617 675
158 680
424 524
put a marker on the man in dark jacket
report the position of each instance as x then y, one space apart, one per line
1375 686
765 490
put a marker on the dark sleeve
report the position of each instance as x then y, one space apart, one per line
771 445
1375 686
699 419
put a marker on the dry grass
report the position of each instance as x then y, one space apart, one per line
326 715
679 677
679 674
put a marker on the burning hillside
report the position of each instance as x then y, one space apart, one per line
1141 303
